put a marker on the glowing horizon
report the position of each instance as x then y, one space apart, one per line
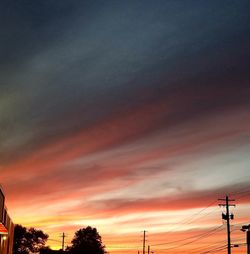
126 116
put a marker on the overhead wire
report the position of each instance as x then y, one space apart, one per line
201 236
189 219
214 250
207 247
187 238
186 221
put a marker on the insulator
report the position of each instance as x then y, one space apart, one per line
224 216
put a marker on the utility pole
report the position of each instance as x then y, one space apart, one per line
148 249
248 241
144 241
227 217
63 240
246 228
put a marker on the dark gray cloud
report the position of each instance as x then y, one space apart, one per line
66 66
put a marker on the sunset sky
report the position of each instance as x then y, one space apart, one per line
127 116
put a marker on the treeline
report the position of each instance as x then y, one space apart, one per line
30 240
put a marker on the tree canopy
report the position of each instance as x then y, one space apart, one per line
28 240
48 250
87 241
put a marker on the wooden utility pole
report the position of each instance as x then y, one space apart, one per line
144 242
227 217
63 240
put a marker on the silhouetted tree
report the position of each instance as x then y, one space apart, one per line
48 250
28 240
87 241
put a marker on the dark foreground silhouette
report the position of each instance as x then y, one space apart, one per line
86 241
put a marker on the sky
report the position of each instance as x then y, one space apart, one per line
127 116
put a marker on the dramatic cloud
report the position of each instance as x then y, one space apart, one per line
125 115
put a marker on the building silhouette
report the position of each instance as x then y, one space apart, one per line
6 227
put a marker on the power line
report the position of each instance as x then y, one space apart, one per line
201 236
198 213
216 208
207 247
189 219
187 238
214 250
123 247
216 245
53 240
